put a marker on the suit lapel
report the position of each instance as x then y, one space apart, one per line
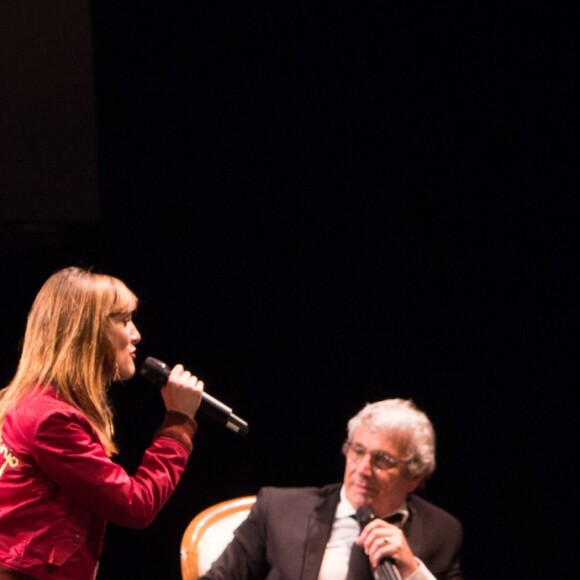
413 528
319 528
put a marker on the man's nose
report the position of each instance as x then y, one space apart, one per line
365 465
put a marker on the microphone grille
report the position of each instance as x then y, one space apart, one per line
364 515
155 371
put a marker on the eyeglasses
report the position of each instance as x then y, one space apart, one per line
380 461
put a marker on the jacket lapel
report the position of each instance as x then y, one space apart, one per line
319 527
413 528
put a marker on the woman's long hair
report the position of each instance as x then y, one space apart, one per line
66 345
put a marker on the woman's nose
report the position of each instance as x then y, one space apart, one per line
135 335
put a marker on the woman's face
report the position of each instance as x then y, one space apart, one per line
123 336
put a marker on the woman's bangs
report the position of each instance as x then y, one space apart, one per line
123 300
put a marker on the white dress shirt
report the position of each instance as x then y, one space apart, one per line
345 530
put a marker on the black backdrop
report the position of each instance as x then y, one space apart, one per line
324 205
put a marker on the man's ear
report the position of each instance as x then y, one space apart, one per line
415 481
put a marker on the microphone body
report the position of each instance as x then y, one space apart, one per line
157 372
387 568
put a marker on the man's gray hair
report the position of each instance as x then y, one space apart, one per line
413 428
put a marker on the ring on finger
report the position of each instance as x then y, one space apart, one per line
386 540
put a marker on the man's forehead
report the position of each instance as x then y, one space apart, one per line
374 439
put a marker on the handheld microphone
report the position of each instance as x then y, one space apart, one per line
157 372
387 570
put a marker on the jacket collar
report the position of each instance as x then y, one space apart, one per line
319 528
415 524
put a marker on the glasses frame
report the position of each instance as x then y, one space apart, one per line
357 455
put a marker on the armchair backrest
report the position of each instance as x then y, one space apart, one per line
209 532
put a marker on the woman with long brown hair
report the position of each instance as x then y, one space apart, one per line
58 483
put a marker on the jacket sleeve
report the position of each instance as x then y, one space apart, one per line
245 556
69 451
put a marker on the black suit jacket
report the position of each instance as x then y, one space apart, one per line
285 536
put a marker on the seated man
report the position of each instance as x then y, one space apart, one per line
311 533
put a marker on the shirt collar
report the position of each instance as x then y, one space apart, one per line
346 510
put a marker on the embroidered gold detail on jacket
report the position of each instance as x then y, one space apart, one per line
9 459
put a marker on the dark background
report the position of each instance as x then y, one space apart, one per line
321 205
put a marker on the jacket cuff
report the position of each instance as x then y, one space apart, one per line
179 427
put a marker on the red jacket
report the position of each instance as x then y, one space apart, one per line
58 488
